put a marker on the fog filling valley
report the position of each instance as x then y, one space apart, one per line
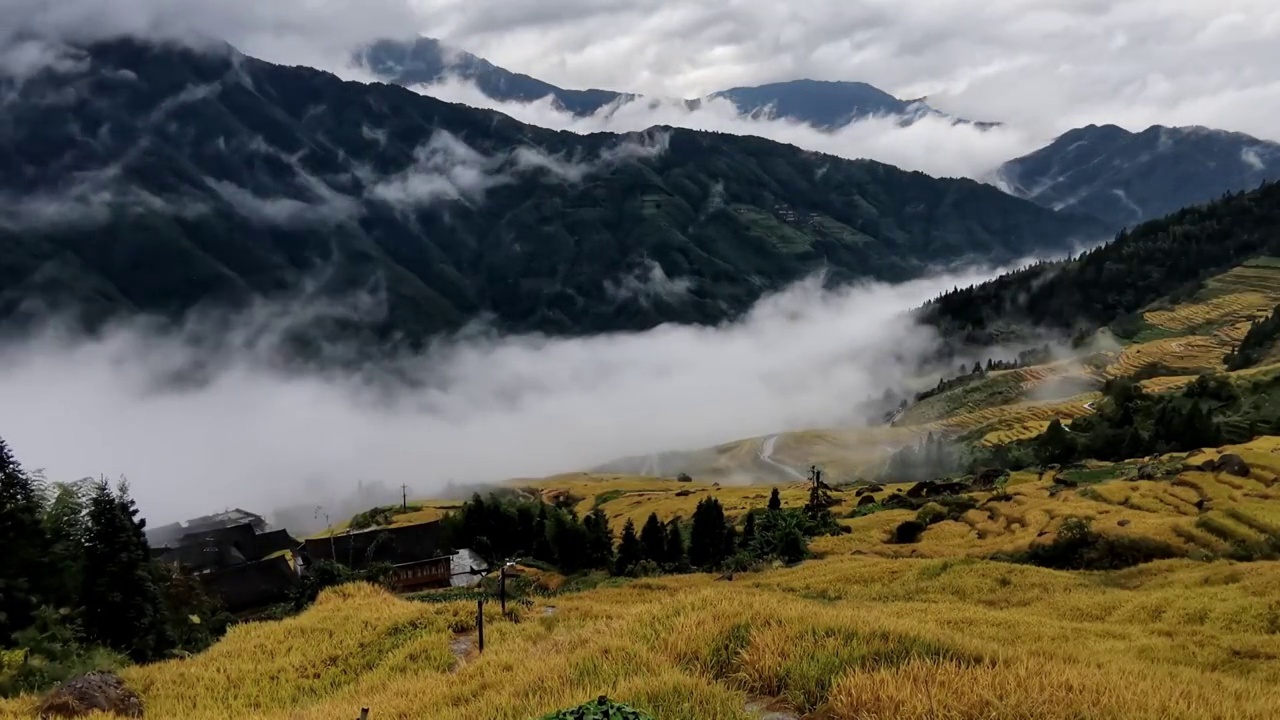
482 407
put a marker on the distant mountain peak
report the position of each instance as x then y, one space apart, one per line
825 104
1127 177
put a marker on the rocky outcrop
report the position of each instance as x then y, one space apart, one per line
87 694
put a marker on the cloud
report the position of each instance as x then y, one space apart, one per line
934 145
1042 65
447 169
206 418
650 282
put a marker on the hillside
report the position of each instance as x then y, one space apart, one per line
170 180
1172 257
827 105
1127 178
1137 587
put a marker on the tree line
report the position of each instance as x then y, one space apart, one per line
499 527
78 587
1260 340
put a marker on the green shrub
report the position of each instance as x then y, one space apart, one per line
931 514
1078 547
599 709
907 532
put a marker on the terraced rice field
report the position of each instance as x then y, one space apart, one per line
1215 312
1012 416
1014 433
1258 276
1188 354
1235 510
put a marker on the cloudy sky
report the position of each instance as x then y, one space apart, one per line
1044 65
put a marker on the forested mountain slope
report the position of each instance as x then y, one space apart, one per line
1127 178
1169 256
157 179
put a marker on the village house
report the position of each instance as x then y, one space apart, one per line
416 553
243 565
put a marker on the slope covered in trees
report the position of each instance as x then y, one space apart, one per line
171 179
1161 258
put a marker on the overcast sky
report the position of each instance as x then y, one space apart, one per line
1045 65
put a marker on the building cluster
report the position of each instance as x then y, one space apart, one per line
241 561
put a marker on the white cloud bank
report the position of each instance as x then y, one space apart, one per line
934 145
481 408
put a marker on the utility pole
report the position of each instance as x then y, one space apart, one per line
404 496
480 623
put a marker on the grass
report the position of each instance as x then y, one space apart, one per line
847 637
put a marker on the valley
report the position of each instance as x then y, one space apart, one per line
504 417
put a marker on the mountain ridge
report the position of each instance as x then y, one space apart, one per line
824 104
236 177
1127 177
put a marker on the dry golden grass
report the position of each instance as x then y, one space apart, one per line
845 637
1217 311
1189 354
1248 278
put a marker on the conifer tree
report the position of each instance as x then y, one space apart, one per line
541 543
23 546
599 539
653 540
748 532
775 501
707 536
629 550
121 600
675 550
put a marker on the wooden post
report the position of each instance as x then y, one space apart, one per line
480 623
364 713
404 497
502 588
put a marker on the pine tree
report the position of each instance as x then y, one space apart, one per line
629 550
121 600
748 532
730 541
675 552
599 540
653 540
542 549
23 547
706 537
570 541
64 522
775 501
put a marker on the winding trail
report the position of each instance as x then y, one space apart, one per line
766 456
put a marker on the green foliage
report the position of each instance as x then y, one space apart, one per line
735 216
1077 546
932 457
78 588
498 527
907 532
653 540
1131 423
930 514
51 650
598 709
25 546
380 516
707 547
122 601
1261 339
775 501
629 550
780 534
1105 284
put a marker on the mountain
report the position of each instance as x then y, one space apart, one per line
1161 259
158 179
828 104
426 60
1126 178
819 103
